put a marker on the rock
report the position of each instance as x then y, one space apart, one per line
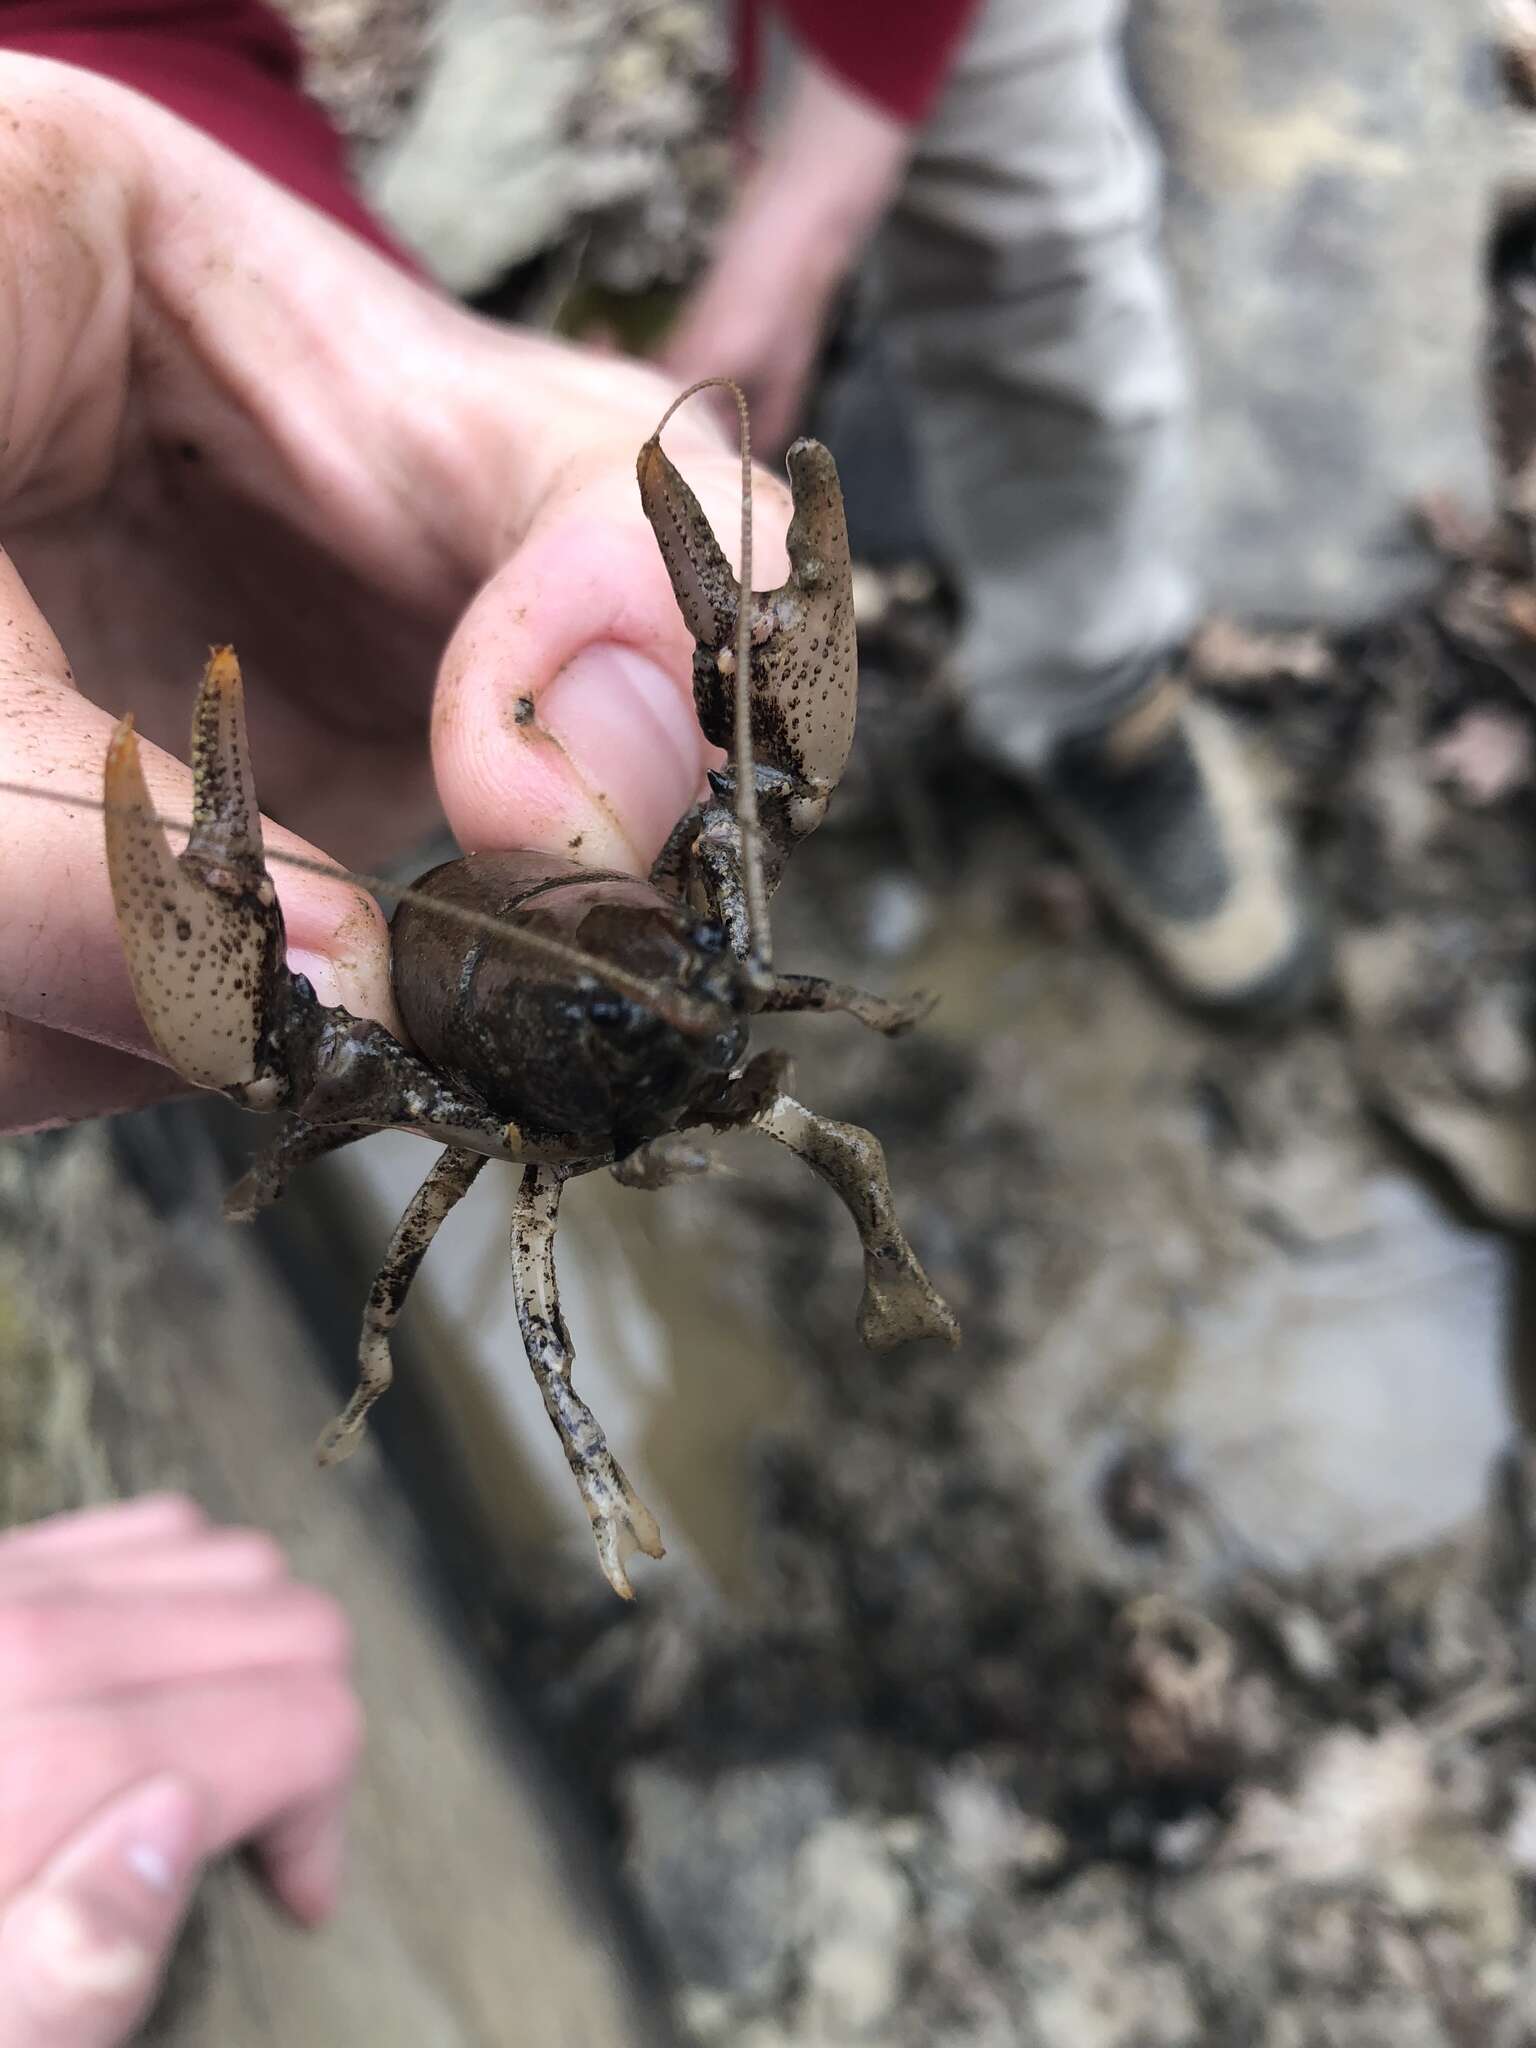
1485 755
851 1911
1520 1831
1088 1979
1358 1803
714 1864
144 1346
593 123
364 61
1329 193
988 1836
479 178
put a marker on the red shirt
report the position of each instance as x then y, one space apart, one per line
231 67
896 53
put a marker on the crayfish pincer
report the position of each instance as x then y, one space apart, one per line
561 1018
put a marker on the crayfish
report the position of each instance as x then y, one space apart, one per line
561 1018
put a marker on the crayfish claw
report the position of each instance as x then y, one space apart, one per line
202 934
703 582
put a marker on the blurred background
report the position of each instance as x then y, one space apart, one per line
1157 1669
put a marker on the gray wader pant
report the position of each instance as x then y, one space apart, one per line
1024 302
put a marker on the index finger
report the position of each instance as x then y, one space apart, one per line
115 1526
61 959
265 1748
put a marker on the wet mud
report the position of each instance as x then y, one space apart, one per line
1155 1669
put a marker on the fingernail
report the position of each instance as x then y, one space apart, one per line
155 1830
320 971
631 735
66 1957
93 1928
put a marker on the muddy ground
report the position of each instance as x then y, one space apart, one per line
1157 1670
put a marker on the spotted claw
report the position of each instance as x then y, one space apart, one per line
201 931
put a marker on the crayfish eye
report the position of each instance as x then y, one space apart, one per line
708 938
622 1022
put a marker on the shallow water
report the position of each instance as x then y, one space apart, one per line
1288 1315
679 1376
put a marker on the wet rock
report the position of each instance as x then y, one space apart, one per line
1358 1803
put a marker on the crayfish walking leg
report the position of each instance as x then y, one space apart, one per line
621 1522
900 1301
443 1189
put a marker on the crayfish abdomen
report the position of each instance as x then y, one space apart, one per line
561 1054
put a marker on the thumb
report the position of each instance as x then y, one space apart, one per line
564 715
83 1947
564 719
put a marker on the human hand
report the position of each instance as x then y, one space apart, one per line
166 1691
831 167
227 419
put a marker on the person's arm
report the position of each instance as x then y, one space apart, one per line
832 162
829 169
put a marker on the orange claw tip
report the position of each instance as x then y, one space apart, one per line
223 668
123 743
